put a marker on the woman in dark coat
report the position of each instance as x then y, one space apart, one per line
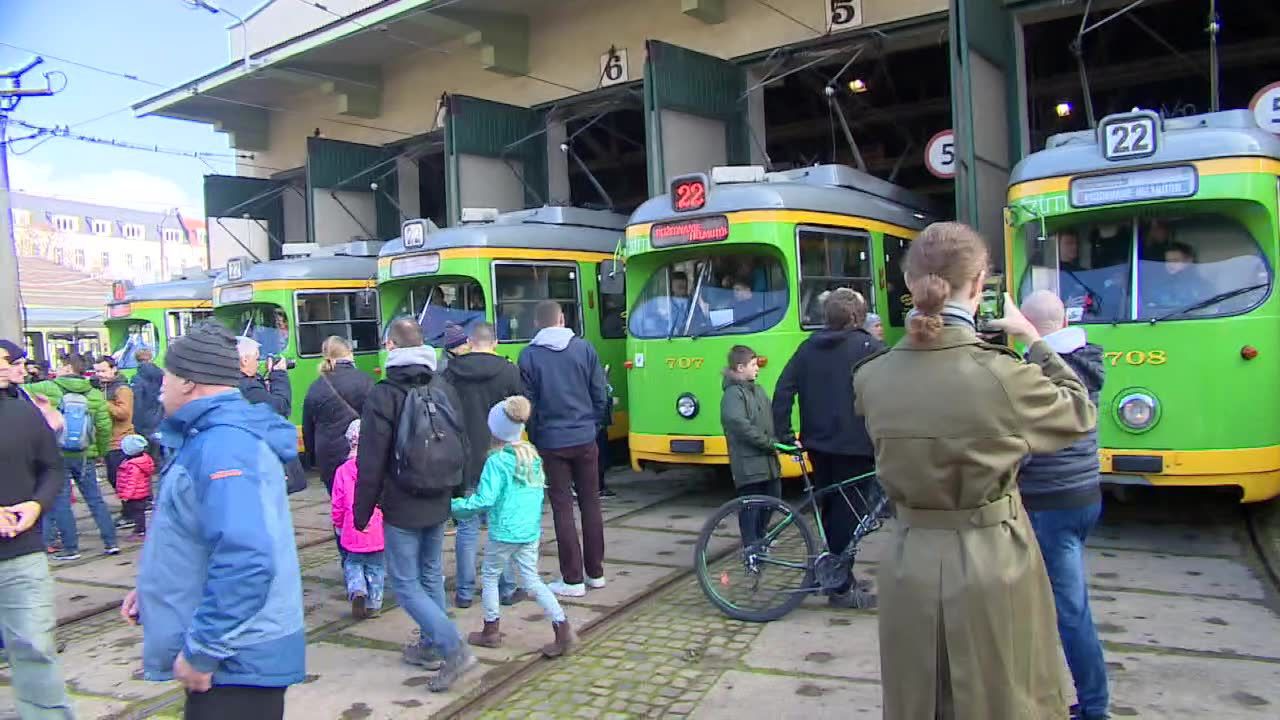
333 401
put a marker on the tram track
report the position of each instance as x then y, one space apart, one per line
1266 548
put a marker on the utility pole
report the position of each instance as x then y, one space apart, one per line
11 311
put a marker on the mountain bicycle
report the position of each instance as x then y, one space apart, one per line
766 566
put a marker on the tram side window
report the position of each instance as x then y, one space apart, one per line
831 259
899 297
349 315
520 287
178 322
1201 265
613 307
1088 265
458 303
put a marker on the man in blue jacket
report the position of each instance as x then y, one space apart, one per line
570 405
219 591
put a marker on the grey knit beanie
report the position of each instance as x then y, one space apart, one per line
206 355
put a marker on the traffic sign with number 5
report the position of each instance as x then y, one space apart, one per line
940 155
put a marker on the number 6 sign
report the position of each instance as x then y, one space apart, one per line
940 155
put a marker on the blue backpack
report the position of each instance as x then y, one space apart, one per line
78 428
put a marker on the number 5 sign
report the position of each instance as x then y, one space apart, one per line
842 14
1266 108
940 155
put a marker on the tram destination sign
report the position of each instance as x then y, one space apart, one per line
695 230
1137 186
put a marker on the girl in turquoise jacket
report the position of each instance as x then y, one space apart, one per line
511 490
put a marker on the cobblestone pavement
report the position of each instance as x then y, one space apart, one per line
1185 611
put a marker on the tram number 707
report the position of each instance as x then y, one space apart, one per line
1137 357
685 363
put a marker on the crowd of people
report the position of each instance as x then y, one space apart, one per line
989 458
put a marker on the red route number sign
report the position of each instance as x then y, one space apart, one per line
688 193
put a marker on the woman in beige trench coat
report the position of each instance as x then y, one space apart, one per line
967 628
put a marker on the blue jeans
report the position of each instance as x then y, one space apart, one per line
82 472
1061 535
27 622
465 551
414 562
499 557
365 574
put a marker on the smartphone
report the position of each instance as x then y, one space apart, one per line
992 305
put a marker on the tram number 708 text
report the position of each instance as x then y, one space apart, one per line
684 363
1137 357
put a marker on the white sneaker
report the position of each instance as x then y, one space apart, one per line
563 589
596 583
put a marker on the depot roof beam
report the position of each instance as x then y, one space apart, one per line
502 38
710 12
357 90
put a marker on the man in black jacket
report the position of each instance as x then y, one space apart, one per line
820 372
413 524
482 379
32 477
274 391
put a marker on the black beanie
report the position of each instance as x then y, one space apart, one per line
206 355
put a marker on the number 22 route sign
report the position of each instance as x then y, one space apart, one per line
940 155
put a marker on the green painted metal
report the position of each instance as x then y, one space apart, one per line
352 167
691 82
234 196
497 130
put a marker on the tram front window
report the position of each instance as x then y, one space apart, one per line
438 304
1187 266
266 323
138 335
178 322
711 295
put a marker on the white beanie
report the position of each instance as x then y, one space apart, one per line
502 426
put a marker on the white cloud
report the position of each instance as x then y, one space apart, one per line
116 188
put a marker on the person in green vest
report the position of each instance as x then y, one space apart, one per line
85 437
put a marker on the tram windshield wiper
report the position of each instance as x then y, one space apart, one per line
1227 295
735 321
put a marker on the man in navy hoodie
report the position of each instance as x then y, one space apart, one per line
1063 497
570 404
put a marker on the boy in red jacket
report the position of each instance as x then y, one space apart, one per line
133 483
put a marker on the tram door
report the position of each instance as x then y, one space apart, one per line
987 121
695 113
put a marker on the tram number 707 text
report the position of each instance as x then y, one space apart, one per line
1137 357
684 363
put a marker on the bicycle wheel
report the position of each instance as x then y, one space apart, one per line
764 578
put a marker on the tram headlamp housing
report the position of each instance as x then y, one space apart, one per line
687 406
1138 411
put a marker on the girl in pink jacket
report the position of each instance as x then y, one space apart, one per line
363 565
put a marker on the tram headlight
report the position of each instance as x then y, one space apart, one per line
687 406
1138 411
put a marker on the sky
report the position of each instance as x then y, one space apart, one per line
159 41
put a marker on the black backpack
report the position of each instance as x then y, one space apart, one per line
430 452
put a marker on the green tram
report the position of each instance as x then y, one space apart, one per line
744 257
154 315
290 306
497 267
1160 235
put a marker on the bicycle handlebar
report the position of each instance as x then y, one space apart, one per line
789 449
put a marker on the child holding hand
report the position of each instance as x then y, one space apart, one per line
511 490
362 562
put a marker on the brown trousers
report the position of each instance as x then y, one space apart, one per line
576 467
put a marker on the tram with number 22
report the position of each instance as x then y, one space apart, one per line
744 257
1160 236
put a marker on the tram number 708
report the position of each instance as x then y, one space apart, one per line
1137 357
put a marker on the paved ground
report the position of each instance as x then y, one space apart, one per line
1186 613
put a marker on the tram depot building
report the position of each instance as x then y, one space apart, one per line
361 114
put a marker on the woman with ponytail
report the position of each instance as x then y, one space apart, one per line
333 401
967 623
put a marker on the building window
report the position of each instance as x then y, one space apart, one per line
128 260
79 263
202 236
106 260
146 263
830 259
57 255
102 227
134 231
352 315
66 223
21 218
172 235
520 287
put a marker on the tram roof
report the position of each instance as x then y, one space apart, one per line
550 227
1230 133
837 189
351 261
199 287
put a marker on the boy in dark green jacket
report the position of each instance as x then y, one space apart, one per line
747 418
80 465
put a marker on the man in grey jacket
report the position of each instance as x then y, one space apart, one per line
566 384
1063 497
